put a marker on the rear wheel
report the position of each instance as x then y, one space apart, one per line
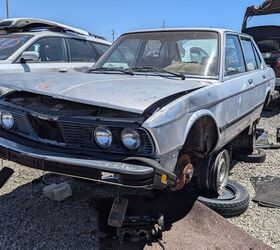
213 173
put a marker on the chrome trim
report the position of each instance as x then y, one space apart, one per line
109 166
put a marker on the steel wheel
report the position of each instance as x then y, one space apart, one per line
213 173
221 168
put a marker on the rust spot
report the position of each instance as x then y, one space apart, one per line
185 173
42 86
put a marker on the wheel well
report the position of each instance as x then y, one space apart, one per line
267 99
202 137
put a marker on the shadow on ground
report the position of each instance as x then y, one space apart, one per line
30 221
272 110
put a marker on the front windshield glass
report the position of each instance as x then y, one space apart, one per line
193 53
11 43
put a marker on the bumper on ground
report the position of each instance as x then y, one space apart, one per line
142 173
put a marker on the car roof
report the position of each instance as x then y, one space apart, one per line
219 30
34 26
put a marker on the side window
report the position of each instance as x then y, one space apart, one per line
99 48
50 49
249 54
234 61
258 58
80 51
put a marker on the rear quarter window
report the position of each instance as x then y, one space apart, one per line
81 51
99 48
250 54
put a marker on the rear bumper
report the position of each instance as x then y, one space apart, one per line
147 174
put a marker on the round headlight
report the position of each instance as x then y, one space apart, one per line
103 136
7 120
131 139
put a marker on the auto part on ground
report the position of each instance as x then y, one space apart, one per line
57 192
141 228
234 201
263 142
134 228
267 190
258 156
5 174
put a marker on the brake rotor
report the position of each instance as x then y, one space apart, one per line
185 172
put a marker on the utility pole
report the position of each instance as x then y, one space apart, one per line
7 8
113 35
163 23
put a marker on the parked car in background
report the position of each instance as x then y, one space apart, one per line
266 36
36 45
158 107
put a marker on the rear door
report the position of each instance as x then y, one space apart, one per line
240 100
81 55
256 76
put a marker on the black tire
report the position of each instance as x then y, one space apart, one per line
233 202
251 158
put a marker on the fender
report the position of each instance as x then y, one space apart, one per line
195 117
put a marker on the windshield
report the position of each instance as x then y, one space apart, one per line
11 43
193 53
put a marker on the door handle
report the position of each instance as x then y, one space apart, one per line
264 77
63 70
250 81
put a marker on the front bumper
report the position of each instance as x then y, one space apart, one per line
143 173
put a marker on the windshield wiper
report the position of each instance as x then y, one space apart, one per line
128 72
147 68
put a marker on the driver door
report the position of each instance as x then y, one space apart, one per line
52 56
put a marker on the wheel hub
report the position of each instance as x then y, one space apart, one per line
185 172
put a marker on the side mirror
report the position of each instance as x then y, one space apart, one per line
28 56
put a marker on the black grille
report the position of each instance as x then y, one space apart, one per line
46 129
22 123
82 136
73 134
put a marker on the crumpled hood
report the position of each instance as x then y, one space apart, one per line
117 91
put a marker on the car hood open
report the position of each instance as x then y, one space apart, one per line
267 8
117 91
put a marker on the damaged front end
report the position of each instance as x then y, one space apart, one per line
61 136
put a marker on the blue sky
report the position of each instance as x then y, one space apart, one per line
101 17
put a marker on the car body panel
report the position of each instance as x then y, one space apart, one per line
115 91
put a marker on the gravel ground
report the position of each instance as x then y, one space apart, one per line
30 221
261 222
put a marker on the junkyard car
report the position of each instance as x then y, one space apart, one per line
36 45
267 37
158 107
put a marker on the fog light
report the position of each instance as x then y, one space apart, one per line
130 139
7 120
103 136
